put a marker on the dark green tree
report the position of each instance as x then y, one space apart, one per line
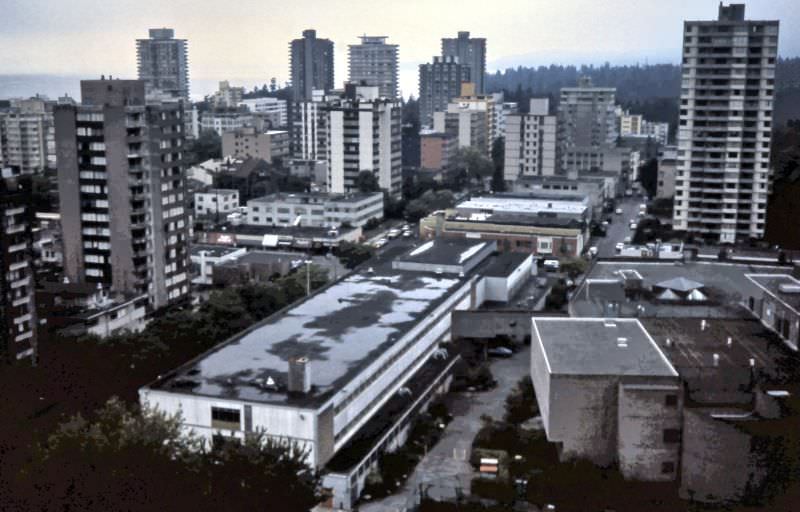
208 145
498 157
366 182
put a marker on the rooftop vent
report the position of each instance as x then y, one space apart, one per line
669 342
716 359
778 393
439 270
622 342
729 343
789 288
703 324
299 375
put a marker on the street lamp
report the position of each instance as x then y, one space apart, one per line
308 276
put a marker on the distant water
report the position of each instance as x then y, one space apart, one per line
53 86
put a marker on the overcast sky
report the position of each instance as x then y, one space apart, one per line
246 41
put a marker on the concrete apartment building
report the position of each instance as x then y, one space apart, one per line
466 126
531 142
222 121
273 110
526 224
227 96
657 131
216 201
667 169
247 142
18 322
778 307
725 126
607 393
594 189
587 120
630 124
163 63
471 52
439 82
27 136
308 132
311 65
374 62
344 408
436 151
314 209
121 183
363 133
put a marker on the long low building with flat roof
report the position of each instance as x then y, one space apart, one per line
322 370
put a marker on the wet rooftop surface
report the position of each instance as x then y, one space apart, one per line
341 329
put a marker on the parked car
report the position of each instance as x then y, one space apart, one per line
627 239
500 352
593 251
392 234
379 243
551 265
618 211
407 234
619 246
633 225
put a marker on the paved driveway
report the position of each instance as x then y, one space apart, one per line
445 471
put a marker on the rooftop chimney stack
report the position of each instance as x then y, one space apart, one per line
299 375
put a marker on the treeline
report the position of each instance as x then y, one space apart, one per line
650 90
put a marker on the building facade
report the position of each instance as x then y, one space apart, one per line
530 142
247 142
363 133
273 109
725 126
121 183
163 63
439 82
216 201
18 323
311 65
374 62
27 136
315 209
471 52
667 168
227 96
437 151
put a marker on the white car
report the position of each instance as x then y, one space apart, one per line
633 225
627 239
593 251
619 246
380 243
618 211
604 223
392 234
407 234
551 265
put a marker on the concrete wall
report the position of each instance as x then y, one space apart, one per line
717 462
643 416
288 423
490 323
583 417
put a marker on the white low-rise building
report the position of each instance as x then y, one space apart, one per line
315 209
216 201
341 373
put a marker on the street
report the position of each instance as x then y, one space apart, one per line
445 471
619 227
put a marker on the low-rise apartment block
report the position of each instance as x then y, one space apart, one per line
315 209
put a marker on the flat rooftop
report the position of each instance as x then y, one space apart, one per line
213 251
785 288
726 284
501 204
504 264
342 329
267 257
597 346
312 197
442 251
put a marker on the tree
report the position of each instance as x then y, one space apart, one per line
208 145
127 458
498 157
648 176
476 164
352 254
366 182
428 202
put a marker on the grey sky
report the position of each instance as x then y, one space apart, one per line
246 41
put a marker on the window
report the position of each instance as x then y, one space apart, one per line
222 418
667 467
671 400
672 435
